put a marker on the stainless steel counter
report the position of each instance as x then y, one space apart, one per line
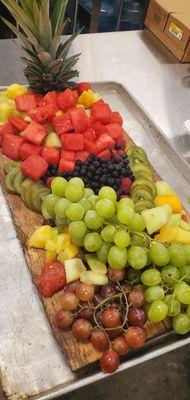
161 85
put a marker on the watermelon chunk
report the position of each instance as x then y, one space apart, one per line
18 123
68 155
26 102
66 165
82 155
89 146
11 146
49 98
51 155
35 133
43 114
104 141
6 129
66 99
72 141
27 149
115 131
98 127
79 120
62 124
101 112
116 117
34 167
105 153
83 86
90 135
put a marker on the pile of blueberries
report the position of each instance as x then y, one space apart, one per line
98 172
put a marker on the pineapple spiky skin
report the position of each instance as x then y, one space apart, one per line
47 66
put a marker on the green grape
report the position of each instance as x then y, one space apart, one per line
122 239
107 192
105 208
93 200
159 254
151 277
185 273
60 207
113 220
177 255
78 241
153 293
137 224
139 240
85 203
60 222
170 274
187 252
58 186
125 215
88 192
77 229
146 307
125 202
182 292
77 182
174 306
103 251
137 257
108 233
181 324
73 192
188 310
75 212
149 261
93 220
50 202
92 241
157 311
133 275
117 257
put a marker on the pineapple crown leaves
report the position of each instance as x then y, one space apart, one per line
40 33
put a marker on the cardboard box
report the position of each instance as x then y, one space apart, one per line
169 21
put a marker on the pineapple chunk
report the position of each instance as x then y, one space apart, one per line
40 236
93 278
50 245
15 90
6 109
87 98
51 255
63 240
73 269
58 113
69 252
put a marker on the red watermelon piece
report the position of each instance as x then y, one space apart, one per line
66 99
66 165
89 146
51 155
115 131
11 146
27 149
90 135
68 155
34 167
6 129
26 102
83 86
82 155
79 120
101 112
62 123
116 117
35 133
72 141
104 141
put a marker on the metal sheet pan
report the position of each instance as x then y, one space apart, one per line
31 363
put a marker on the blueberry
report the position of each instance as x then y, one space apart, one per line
115 174
92 169
75 173
117 159
78 163
118 146
103 179
125 192
96 164
91 157
89 174
43 178
110 181
111 167
99 171
83 171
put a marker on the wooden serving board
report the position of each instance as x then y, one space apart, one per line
78 354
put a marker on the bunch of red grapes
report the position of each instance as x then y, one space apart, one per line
110 316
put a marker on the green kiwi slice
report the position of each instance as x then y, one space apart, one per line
19 178
24 186
133 148
38 196
9 181
143 205
29 193
11 165
141 194
146 184
140 167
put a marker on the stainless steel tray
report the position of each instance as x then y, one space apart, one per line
31 363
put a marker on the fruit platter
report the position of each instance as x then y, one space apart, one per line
106 240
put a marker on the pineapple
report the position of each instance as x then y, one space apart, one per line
47 66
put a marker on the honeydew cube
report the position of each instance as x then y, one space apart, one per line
157 217
95 265
40 236
163 187
73 269
93 278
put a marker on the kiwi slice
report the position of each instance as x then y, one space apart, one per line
140 167
29 193
38 196
133 148
19 178
9 181
10 165
143 205
44 212
24 186
141 194
146 184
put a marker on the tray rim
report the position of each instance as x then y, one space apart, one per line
144 354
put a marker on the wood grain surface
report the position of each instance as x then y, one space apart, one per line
78 354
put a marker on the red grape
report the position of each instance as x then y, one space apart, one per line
113 333
120 345
85 292
63 319
136 297
111 317
99 340
107 291
136 316
96 289
86 312
126 287
71 287
116 275
109 361
135 336
81 329
69 301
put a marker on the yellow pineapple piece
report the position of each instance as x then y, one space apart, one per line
50 245
51 255
6 109
87 98
17 113
58 113
69 252
15 90
63 240
40 236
